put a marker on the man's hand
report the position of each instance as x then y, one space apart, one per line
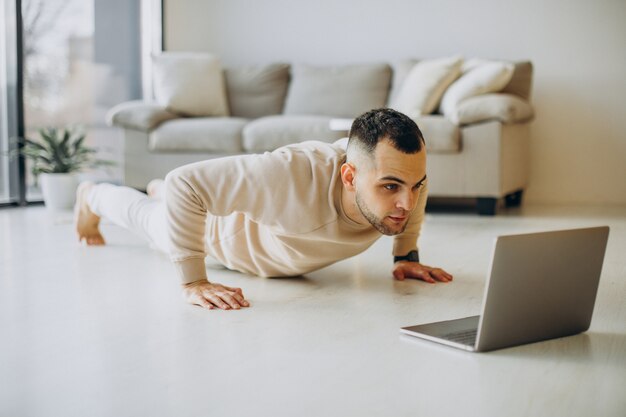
406 269
211 295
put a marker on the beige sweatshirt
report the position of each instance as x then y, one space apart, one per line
272 214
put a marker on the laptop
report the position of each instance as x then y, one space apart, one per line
540 286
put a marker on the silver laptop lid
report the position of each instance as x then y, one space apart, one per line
549 293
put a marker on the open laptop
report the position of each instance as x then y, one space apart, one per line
540 286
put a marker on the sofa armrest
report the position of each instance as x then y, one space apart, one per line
138 115
506 108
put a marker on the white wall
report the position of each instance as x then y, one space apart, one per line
578 48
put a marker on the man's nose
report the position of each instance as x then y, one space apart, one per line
406 201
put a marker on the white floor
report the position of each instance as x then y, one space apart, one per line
103 332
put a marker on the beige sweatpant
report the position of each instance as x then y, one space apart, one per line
132 210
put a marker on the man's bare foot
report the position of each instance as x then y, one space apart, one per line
155 189
86 221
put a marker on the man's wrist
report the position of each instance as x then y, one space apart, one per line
191 270
412 256
194 283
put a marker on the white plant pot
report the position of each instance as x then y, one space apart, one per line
59 190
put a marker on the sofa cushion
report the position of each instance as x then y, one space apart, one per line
191 84
440 134
138 115
272 132
400 70
343 91
257 91
205 134
424 86
507 108
484 78
521 80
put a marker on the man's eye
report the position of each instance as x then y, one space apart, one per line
391 187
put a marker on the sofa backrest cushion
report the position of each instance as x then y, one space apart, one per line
341 91
257 91
190 84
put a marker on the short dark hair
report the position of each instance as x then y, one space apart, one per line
386 124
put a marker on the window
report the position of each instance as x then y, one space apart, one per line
78 59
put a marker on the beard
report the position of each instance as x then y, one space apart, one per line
375 221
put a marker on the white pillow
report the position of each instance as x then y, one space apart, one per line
470 64
190 84
487 78
425 84
507 108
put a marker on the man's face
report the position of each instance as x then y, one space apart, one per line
387 190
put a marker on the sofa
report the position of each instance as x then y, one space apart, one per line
474 115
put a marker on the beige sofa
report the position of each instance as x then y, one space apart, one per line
478 148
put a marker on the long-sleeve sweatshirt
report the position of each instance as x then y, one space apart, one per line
274 214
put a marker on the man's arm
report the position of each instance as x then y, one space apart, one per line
406 253
244 184
219 187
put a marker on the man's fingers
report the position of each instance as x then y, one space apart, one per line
398 274
230 300
204 303
237 294
235 289
429 274
425 276
444 274
239 297
421 272
440 275
211 296
201 301
216 301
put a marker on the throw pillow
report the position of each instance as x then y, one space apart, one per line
486 78
191 84
400 70
507 108
138 115
425 84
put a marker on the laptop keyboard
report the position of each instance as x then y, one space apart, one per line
465 337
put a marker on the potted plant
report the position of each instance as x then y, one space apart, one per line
55 158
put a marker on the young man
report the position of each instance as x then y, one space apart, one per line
282 213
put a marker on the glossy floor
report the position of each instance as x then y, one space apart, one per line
103 331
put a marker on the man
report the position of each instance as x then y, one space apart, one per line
284 213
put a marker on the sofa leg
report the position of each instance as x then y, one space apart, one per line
486 206
514 199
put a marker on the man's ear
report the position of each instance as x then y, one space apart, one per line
348 174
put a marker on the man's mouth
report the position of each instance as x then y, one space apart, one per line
398 219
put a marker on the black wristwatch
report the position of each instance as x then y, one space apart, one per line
412 256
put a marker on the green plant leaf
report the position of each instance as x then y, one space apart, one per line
59 151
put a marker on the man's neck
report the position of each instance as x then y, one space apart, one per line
350 208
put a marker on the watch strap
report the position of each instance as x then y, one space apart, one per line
412 256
